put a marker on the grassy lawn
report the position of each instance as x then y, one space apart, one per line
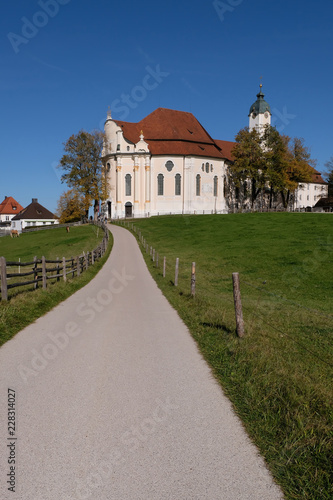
51 243
279 376
25 306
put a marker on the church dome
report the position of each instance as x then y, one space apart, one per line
260 106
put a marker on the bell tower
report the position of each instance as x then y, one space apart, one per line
260 113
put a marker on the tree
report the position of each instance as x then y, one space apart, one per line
271 162
71 206
289 163
329 175
83 167
249 162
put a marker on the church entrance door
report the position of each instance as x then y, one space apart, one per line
128 209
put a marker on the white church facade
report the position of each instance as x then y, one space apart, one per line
168 164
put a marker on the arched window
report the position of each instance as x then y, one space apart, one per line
215 185
160 185
198 184
128 185
169 165
178 180
108 167
207 168
203 167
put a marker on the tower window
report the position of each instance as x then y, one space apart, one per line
207 168
178 184
160 185
198 184
128 185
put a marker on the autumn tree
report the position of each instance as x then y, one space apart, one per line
71 206
288 163
83 169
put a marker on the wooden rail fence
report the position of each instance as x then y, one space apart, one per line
39 271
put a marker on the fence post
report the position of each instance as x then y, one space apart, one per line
58 267
78 266
87 260
35 272
93 257
3 270
44 272
151 251
193 280
64 269
238 305
164 266
176 271
73 267
156 259
153 254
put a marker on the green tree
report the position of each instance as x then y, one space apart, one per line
270 161
83 167
249 161
71 206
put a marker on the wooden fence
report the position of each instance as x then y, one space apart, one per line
39 271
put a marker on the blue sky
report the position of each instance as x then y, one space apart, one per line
65 61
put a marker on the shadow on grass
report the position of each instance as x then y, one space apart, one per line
218 326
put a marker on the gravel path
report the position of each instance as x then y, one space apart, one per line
114 401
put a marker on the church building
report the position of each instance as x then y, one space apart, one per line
166 163
169 164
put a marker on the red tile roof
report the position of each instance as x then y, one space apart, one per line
316 177
226 148
168 131
9 206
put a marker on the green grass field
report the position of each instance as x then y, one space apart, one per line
279 376
26 305
51 243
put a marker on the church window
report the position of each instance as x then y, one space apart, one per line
211 168
198 185
128 185
108 167
177 184
203 167
128 148
207 168
169 165
160 185
215 185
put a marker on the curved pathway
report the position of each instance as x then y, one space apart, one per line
114 401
